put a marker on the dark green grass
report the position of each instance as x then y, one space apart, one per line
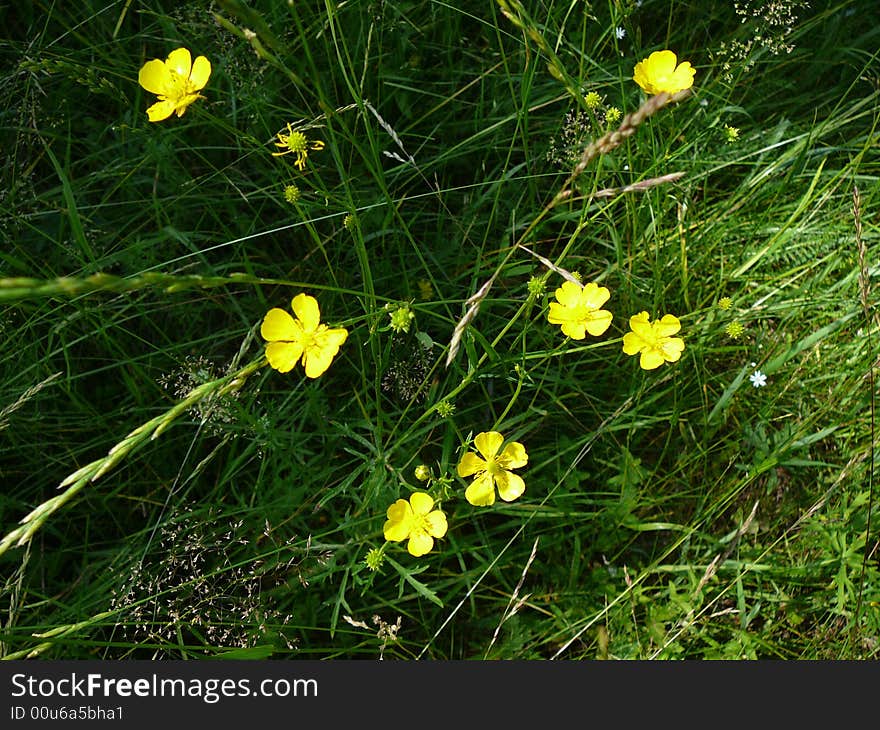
678 513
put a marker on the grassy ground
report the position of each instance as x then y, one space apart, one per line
211 505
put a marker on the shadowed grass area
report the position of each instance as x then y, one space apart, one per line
168 494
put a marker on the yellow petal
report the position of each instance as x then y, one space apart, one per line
575 330
569 294
160 110
470 464
399 511
306 309
510 485
183 102
435 524
558 314
650 359
481 492
672 349
180 61
279 325
317 360
598 322
399 522
594 296
640 76
662 63
642 327
632 343
513 456
640 318
668 326
283 356
421 503
154 76
395 531
420 543
319 356
488 443
201 72
682 78
331 339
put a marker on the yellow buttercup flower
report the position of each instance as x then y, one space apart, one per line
659 72
653 340
417 521
493 469
298 144
176 81
578 309
304 337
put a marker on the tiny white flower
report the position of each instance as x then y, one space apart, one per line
758 379
619 32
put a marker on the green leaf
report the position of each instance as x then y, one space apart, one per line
419 587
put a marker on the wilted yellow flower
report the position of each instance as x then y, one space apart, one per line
592 100
731 134
298 144
658 73
176 81
374 559
305 337
445 409
423 472
536 286
401 317
734 330
493 469
578 310
612 114
416 520
653 340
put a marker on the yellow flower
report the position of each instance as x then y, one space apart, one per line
298 144
417 521
493 469
653 340
658 73
577 309
305 337
176 81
